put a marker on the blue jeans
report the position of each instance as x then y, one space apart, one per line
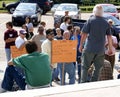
68 68
8 54
11 75
87 59
118 77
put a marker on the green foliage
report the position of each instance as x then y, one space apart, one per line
85 6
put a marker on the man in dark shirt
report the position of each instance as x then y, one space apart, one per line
9 37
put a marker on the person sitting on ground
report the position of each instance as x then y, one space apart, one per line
36 67
106 72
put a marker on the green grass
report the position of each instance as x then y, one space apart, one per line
2 10
86 9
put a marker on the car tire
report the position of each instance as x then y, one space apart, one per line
11 10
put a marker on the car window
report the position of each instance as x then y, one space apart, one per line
114 19
24 7
68 7
111 9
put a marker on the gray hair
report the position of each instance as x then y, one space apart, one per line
98 10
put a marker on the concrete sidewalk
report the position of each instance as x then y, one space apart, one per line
109 88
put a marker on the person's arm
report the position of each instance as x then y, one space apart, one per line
22 46
109 37
10 40
82 41
44 48
31 29
115 43
10 62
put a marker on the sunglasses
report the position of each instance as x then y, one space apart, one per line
51 33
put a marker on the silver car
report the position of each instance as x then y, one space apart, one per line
74 11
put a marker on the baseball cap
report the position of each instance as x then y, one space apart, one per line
22 31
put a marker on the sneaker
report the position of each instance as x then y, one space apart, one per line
57 79
2 90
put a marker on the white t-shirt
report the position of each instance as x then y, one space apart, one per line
46 48
114 40
19 41
64 26
29 26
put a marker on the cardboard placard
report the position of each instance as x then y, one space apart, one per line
64 51
17 52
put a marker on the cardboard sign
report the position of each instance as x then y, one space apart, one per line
64 51
17 52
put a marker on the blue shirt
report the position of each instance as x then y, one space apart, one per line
96 28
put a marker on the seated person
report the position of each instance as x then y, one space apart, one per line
36 66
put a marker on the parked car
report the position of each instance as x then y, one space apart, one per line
45 5
53 9
116 25
11 6
26 9
74 11
110 9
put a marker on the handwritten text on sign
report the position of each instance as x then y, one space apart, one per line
64 51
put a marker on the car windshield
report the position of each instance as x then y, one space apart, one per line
116 22
24 7
66 7
55 5
110 9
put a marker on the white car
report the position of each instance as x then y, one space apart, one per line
74 11
54 8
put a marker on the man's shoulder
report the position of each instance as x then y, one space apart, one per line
13 30
44 54
45 41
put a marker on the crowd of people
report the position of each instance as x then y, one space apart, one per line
95 56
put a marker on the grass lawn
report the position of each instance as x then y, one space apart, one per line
2 10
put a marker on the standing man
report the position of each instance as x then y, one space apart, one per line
46 48
95 30
9 37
